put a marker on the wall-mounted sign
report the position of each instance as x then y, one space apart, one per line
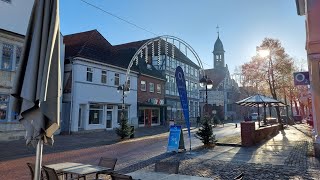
156 101
301 78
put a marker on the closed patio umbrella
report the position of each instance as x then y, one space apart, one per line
37 86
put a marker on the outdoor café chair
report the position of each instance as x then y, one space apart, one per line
108 163
117 176
239 177
31 168
50 173
167 167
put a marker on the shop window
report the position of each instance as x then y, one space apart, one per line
4 101
125 112
155 116
89 74
151 87
141 117
95 114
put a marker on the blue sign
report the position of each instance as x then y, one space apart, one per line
181 85
301 78
174 138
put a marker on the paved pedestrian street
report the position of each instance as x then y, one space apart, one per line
289 155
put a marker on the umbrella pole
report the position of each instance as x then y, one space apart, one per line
37 173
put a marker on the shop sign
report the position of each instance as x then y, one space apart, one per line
156 101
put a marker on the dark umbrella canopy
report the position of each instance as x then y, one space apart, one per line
38 83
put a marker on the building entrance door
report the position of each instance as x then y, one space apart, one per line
109 119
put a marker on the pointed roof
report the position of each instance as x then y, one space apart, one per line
218 46
90 44
217 75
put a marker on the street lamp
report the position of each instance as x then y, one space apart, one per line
206 82
124 89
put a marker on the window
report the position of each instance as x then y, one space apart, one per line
167 84
18 55
116 79
125 112
104 77
173 64
7 56
4 100
141 117
95 114
155 116
143 86
187 69
172 84
7 1
128 82
89 74
159 88
151 87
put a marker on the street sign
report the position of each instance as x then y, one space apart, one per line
301 78
175 139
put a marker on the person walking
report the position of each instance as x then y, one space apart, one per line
198 121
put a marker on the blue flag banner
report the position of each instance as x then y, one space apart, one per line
181 85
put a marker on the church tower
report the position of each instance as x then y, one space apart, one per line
218 53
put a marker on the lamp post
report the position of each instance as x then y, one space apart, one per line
206 82
124 89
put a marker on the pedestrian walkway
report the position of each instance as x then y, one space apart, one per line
288 155
17 148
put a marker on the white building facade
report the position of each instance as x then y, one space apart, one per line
95 102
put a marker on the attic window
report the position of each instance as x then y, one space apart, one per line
149 66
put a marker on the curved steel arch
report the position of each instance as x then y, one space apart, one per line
159 38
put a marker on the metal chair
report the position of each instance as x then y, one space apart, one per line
167 167
50 173
31 168
239 177
117 176
108 163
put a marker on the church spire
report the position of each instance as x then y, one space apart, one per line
218 30
218 52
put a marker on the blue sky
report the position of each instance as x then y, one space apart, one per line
243 24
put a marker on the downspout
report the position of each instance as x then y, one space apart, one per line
71 98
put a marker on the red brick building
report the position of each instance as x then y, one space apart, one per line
150 91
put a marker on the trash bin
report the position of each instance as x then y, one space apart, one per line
132 132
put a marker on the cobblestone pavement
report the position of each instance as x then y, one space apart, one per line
282 157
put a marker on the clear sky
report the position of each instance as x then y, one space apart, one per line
243 24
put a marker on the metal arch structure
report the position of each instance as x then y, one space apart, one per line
158 39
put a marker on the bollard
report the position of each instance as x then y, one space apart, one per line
236 125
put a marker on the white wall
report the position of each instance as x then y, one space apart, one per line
15 16
84 92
